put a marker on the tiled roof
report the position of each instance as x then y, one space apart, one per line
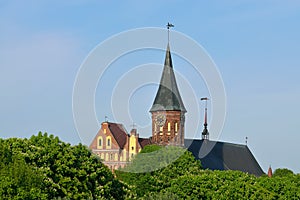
224 156
168 97
119 133
144 141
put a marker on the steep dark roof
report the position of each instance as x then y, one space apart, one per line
144 141
223 156
119 133
168 97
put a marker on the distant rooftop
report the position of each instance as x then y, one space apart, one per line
224 156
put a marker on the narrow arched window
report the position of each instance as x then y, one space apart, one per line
108 142
100 142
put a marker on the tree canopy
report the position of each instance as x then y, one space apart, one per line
175 174
54 169
153 169
43 167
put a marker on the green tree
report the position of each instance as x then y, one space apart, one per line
68 171
19 180
218 185
282 172
183 178
283 187
153 169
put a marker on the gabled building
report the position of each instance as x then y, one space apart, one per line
116 147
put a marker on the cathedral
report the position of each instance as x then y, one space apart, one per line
116 147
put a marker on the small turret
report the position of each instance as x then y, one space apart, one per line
270 173
205 133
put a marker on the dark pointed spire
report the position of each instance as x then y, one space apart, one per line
168 96
205 133
168 58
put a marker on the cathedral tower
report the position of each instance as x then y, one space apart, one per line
168 111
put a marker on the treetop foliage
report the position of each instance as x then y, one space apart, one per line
184 179
58 170
43 167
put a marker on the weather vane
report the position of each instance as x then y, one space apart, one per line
169 25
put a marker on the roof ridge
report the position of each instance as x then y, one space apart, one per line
118 137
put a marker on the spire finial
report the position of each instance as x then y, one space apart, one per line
106 118
133 125
205 133
246 140
169 25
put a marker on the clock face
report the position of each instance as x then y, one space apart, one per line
160 119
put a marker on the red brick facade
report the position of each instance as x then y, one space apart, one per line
171 131
115 146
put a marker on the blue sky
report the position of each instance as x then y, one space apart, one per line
255 45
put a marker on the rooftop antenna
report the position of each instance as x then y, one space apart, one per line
205 133
169 25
